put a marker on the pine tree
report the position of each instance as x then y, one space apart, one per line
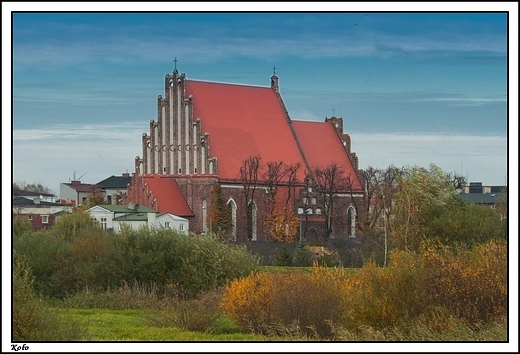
219 218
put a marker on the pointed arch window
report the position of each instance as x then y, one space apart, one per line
234 208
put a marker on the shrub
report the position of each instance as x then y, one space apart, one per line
124 297
472 284
21 225
302 256
44 254
32 319
246 300
284 303
283 258
385 297
198 314
66 262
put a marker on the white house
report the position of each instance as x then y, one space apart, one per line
112 217
170 221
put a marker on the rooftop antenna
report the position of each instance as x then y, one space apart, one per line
274 70
79 176
333 112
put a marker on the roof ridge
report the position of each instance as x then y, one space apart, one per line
228 83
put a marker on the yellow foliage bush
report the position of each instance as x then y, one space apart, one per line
437 285
247 301
472 285
305 302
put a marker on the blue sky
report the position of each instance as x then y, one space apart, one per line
412 88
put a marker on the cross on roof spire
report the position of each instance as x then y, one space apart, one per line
175 61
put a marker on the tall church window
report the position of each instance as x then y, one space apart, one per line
254 221
204 216
233 217
351 222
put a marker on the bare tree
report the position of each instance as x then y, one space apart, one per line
291 171
273 177
281 222
330 181
381 187
249 177
33 187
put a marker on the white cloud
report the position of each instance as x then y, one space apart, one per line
52 156
482 158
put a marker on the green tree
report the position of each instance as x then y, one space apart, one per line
21 225
423 196
68 225
33 320
95 196
219 218
467 225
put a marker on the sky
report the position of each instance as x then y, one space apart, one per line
413 88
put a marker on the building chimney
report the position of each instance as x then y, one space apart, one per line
126 174
75 183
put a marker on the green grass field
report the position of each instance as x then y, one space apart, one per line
135 325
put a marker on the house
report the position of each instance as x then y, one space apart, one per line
112 217
234 136
77 192
45 197
488 196
115 187
43 214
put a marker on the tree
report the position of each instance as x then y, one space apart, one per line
95 196
423 195
380 187
69 224
219 216
249 172
281 222
21 225
273 177
33 187
330 181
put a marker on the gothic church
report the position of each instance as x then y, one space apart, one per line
205 133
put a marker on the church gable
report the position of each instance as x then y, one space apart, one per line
175 144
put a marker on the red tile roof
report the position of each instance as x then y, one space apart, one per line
243 121
168 194
322 146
